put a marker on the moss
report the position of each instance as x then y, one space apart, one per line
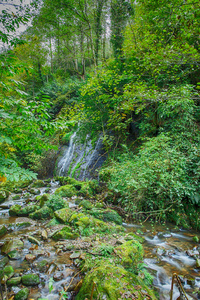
3 195
56 202
16 197
53 222
22 294
42 265
25 211
42 213
8 271
130 253
63 215
85 204
38 184
3 230
13 211
30 279
66 191
107 215
12 245
113 282
65 233
42 199
14 281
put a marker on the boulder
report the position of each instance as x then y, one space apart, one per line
30 279
27 210
12 245
63 215
42 213
107 215
22 294
3 195
85 204
14 210
38 184
3 230
14 281
65 234
112 282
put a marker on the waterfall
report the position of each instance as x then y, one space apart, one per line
65 161
81 161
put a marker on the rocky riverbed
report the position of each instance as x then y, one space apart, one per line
60 241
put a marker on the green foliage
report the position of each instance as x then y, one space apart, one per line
105 250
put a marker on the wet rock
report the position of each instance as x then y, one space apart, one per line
14 281
53 223
22 294
42 213
63 215
65 234
16 197
34 191
14 255
30 279
12 245
30 257
26 211
75 255
3 262
3 230
44 235
33 240
58 276
86 204
3 195
42 265
107 215
8 271
198 263
14 210
160 251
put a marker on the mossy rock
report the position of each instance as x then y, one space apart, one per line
38 184
3 230
16 197
8 271
65 234
14 281
3 195
131 253
42 213
3 262
12 245
53 222
14 255
85 204
42 265
113 282
63 215
42 199
107 215
66 180
30 279
27 210
66 191
22 294
14 210
34 191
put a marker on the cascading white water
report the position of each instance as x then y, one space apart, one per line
65 161
81 160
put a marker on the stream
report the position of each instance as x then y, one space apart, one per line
167 249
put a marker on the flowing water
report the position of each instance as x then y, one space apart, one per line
167 250
81 160
170 250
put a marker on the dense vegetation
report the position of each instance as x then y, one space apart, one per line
127 70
